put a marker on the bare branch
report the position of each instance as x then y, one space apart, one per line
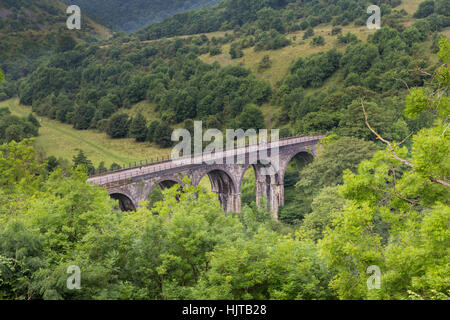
445 130
444 183
391 149
404 82
403 141
425 73
397 195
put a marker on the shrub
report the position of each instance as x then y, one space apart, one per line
318 41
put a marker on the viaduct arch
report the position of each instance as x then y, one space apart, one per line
131 186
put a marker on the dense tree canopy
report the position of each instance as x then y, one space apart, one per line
252 118
81 160
181 86
162 135
138 128
118 126
377 194
277 15
334 156
15 128
397 211
179 253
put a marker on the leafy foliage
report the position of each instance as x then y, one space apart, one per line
118 126
356 205
325 171
173 254
252 118
278 15
16 128
397 215
138 128
81 160
163 135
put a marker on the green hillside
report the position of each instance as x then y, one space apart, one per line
175 80
365 218
31 29
130 15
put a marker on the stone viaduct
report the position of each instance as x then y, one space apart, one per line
131 186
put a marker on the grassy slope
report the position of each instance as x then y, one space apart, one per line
410 6
61 140
282 58
88 26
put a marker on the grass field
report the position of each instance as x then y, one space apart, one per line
61 140
410 6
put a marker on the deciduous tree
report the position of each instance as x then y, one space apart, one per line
138 128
